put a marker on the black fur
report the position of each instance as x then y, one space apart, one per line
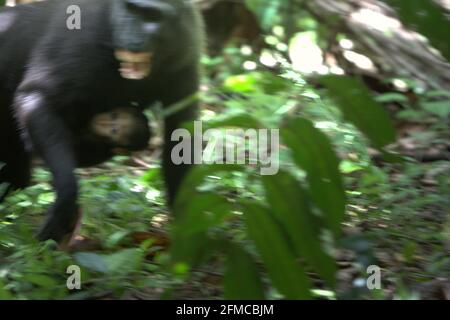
52 80
91 149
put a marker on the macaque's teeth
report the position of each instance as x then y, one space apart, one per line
133 57
134 71
134 65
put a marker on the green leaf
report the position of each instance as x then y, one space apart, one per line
439 108
242 280
392 97
114 239
312 152
121 262
291 208
191 245
91 261
191 249
347 166
203 211
195 178
358 107
437 94
150 175
40 280
287 275
124 261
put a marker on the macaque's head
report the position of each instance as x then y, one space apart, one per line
139 26
122 128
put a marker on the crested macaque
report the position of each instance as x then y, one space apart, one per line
54 75
125 128
119 131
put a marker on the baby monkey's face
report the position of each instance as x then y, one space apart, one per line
122 128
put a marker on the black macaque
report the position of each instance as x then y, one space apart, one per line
53 79
119 131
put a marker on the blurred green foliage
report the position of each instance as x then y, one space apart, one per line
267 236
429 19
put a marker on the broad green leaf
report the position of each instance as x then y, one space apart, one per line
358 107
290 206
437 94
242 280
312 152
40 280
150 175
195 178
287 275
191 249
124 261
203 211
347 166
239 120
114 239
91 261
439 108
192 245
392 97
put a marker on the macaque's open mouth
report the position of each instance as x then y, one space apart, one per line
134 65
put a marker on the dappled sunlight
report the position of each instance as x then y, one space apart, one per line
295 150
306 55
376 20
361 61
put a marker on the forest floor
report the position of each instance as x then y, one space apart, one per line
397 218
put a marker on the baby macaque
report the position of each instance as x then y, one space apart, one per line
119 131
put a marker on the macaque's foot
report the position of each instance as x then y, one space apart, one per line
61 227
